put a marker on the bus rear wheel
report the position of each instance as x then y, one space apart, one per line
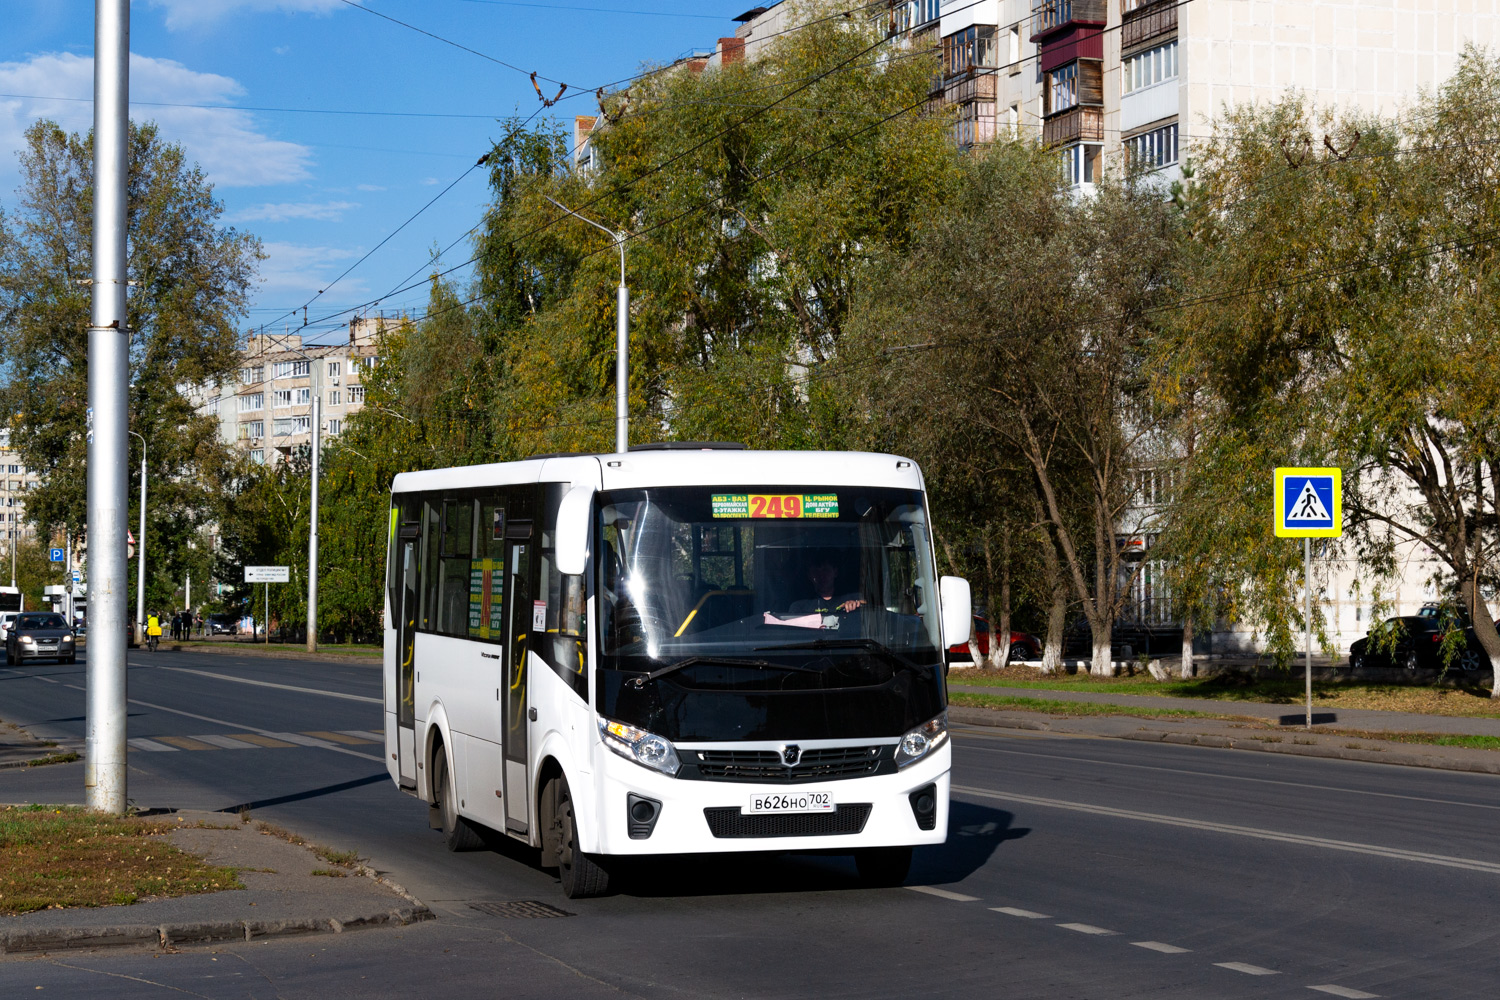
458 833
883 866
580 873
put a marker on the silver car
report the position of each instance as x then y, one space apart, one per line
40 635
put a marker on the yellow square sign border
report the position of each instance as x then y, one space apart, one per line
1279 503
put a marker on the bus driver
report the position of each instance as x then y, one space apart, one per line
823 576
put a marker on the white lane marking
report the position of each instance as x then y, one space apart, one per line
253 729
269 684
306 741
1399 854
943 893
1249 970
1165 949
1086 929
1018 912
227 742
1229 777
141 743
1344 991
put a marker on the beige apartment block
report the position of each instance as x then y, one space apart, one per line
15 481
267 411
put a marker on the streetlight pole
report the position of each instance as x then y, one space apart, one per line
140 554
622 335
315 382
104 775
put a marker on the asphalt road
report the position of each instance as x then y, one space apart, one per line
1075 867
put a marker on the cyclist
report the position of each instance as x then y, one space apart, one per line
153 632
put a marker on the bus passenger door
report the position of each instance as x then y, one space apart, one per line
406 624
515 745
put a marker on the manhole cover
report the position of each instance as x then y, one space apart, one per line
520 908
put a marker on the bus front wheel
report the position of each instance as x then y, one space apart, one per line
458 833
883 866
580 873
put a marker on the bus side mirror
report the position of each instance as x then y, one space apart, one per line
573 514
958 611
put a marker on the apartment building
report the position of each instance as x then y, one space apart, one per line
267 411
15 481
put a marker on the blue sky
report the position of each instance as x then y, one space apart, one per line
323 189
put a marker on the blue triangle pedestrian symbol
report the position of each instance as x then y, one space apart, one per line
1308 506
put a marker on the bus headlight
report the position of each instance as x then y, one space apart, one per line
922 741
646 749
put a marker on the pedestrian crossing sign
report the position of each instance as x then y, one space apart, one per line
1309 503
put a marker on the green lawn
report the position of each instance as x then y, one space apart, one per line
1052 706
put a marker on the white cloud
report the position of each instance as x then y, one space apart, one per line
317 211
196 13
225 143
429 181
369 187
282 50
292 271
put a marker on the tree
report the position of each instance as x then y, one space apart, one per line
1035 310
190 280
1347 316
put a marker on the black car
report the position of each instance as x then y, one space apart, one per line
40 635
221 625
1419 644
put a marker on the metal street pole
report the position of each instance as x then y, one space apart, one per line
1307 586
312 536
622 335
104 779
140 554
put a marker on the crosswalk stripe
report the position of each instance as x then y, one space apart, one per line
261 741
187 743
141 743
225 742
342 738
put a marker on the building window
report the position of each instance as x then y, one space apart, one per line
335 425
252 429
976 123
975 46
1146 69
291 369
334 369
252 401
1013 119
250 376
1062 88
258 456
356 394
1154 149
335 397
1080 164
281 397
15 470
302 396
1015 49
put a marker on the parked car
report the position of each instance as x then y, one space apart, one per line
1419 644
6 618
40 635
221 625
1023 645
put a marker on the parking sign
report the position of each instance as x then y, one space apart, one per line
57 555
1309 503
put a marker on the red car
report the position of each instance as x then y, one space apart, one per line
1023 645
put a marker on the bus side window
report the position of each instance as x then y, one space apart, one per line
432 525
487 571
565 647
453 592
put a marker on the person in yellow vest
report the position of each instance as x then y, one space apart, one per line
153 630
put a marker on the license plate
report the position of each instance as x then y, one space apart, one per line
791 802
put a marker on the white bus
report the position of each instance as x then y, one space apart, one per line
669 651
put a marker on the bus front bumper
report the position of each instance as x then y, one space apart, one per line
694 816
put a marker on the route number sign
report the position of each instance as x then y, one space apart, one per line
1309 503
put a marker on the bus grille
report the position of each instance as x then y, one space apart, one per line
729 821
766 766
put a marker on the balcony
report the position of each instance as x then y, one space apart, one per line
1051 15
1147 22
975 85
1077 124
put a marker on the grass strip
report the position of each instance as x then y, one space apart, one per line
54 758
1473 742
52 857
344 859
1052 706
357 651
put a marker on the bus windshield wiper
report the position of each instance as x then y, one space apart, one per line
873 645
640 680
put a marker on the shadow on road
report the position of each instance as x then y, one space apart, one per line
311 793
975 832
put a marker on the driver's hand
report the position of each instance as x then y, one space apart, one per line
850 605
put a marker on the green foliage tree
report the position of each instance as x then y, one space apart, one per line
190 280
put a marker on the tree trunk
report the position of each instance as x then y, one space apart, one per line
1186 669
975 657
1103 663
1484 630
1057 617
1000 630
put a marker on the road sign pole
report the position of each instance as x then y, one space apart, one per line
268 612
1307 586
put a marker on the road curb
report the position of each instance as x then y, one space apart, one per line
170 935
986 717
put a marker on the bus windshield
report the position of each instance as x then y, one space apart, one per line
758 612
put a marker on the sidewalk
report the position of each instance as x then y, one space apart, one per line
1285 715
282 896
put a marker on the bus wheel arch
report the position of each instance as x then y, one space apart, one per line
459 834
581 874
